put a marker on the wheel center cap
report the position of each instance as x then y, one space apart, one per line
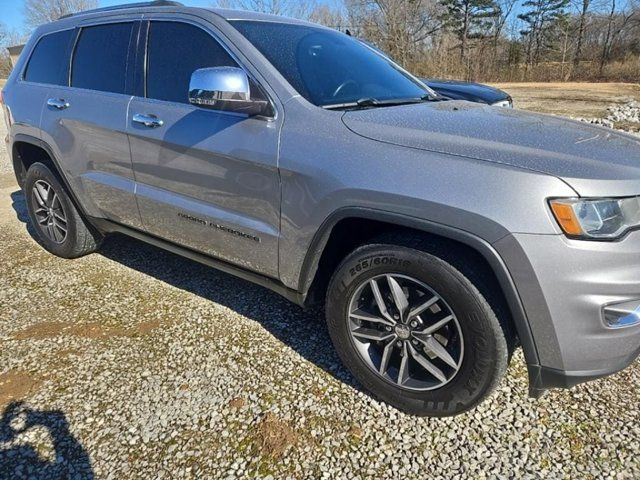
403 332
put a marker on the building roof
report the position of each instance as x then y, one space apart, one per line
15 50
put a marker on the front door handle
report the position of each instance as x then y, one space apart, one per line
149 120
58 103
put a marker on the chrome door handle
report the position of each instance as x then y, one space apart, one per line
150 121
58 103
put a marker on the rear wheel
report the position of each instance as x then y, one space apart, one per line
58 225
415 331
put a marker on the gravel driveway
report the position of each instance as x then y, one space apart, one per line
135 363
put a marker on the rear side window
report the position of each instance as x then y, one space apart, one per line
175 51
100 58
49 62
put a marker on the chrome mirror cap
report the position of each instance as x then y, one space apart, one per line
211 86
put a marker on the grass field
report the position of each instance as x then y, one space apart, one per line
571 99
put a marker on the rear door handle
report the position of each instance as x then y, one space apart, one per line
149 120
58 103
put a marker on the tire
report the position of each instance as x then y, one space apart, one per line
78 239
476 343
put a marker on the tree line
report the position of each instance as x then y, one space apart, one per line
485 40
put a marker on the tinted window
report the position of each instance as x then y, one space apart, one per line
175 51
328 67
100 59
49 62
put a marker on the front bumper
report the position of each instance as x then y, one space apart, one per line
565 286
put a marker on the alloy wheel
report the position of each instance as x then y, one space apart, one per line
405 332
49 213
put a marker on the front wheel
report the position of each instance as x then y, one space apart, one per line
415 331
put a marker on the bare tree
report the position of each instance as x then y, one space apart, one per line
329 17
5 61
37 12
584 10
399 27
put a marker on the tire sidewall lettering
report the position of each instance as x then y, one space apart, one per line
378 261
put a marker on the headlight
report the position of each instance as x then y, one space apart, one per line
604 218
503 103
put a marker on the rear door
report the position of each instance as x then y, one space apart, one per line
85 120
46 69
206 179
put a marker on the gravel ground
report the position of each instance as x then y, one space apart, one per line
135 363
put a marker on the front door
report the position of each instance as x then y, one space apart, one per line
206 179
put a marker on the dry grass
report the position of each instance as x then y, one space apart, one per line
274 436
571 99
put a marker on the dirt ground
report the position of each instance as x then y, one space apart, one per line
571 99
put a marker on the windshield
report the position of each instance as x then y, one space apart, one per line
327 67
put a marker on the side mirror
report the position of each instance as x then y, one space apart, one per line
224 88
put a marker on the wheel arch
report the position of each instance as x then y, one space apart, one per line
369 223
27 150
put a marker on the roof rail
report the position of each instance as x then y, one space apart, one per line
155 3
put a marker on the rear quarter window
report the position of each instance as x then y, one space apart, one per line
49 62
100 58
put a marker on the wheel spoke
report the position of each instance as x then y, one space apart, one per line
62 228
386 356
436 326
39 195
403 373
52 232
380 301
372 334
427 365
360 315
399 298
418 310
437 349
59 217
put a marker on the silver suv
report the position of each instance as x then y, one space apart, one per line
441 235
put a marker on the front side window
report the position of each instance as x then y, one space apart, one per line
49 62
327 67
100 58
175 51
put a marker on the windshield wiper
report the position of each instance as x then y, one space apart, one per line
434 97
370 102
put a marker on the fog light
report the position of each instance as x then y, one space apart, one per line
622 314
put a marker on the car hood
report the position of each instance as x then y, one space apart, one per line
481 92
595 161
